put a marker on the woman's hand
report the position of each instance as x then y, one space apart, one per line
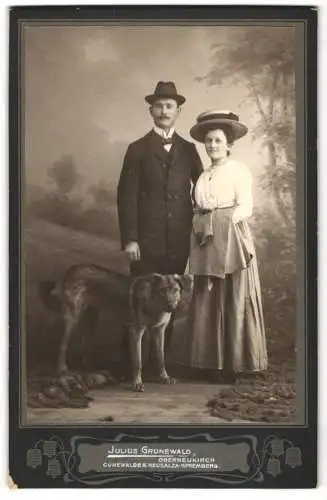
240 213
133 250
236 218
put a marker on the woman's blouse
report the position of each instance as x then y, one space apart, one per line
226 185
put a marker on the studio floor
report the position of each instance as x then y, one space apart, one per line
183 403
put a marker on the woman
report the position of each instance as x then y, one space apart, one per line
226 319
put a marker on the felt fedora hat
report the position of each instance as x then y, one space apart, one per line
165 90
225 120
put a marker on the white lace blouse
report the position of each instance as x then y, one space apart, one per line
224 186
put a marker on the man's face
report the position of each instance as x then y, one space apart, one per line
164 113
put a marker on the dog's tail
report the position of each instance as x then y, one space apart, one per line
49 297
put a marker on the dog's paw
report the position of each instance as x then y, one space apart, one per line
138 386
169 380
62 370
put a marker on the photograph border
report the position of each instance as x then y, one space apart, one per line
301 436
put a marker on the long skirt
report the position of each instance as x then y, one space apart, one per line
225 324
226 328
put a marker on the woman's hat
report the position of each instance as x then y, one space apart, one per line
225 120
165 90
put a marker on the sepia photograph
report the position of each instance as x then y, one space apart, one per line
159 230
163 247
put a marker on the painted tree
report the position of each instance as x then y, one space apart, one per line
64 175
104 197
261 59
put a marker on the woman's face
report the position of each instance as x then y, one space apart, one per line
216 144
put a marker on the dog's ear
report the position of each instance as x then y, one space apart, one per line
157 279
185 281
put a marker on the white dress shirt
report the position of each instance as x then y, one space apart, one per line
165 135
226 185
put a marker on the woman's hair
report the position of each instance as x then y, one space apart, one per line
227 131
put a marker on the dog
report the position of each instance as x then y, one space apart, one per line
148 301
153 298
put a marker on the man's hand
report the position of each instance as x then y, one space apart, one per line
133 250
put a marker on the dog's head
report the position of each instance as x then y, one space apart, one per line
159 293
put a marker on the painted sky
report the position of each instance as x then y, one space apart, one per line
85 86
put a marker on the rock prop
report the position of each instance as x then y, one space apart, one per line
66 391
268 399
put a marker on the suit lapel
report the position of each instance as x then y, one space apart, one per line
157 148
175 149
165 158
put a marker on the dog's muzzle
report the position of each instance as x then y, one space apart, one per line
172 300
171 307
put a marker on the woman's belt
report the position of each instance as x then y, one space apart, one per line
204 211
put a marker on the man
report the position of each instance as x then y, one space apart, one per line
154 192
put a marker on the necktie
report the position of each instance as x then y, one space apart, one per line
167 141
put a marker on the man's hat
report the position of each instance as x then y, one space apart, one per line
165 90
225 120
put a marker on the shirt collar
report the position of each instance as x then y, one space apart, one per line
163 133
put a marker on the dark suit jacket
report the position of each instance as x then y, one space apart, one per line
154 196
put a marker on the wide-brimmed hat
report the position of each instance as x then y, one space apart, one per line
165 90
225 120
